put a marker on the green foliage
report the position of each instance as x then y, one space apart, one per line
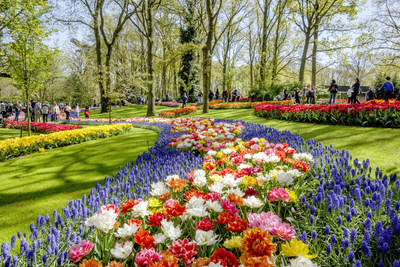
28 58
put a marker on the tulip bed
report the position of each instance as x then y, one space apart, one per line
224 193
218 104
40 127
16 147
376 114
179 112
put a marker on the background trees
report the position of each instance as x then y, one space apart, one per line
113 50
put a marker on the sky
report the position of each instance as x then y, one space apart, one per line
61 38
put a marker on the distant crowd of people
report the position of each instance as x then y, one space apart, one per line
40 112
307 95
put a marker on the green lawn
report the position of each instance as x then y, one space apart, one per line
127 112
11 133
39 183
380 145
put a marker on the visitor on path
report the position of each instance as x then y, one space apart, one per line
388 89
56 112
349 95
210 96
370 94
184 100
36 111
297 96
45 111
217 94
3 109
77 110
234 95
200 97
17 110
225 95
87 112
305 95
166 97
333 89
67 111
313 95
238 96
286 94
356 91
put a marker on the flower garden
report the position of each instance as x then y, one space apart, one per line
16 147
218 104
224 193
40 127
374 113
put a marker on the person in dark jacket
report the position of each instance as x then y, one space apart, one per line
333 89
356 91
210 96
225 95
217 94
388 89
370 94
297 96
184 99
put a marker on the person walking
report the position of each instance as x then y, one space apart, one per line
305 94
36 111
333 89
45 111
200 97
370 94
67 111
297 96
286 94
210 96
17 110
77 111
388 89
56 111
217 94
313 95
356 91
87 112
349 95
225 95
184 99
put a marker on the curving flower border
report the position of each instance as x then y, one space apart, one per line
349 214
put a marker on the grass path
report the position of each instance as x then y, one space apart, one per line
39 183
128 112
380 145
11 133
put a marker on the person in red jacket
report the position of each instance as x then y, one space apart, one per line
87 112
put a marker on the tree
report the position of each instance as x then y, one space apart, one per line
311 15
143 21
188 73
28 57
213 35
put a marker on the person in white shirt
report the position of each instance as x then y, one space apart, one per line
349 94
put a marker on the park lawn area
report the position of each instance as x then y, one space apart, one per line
127 112
380 145
41 182
11 133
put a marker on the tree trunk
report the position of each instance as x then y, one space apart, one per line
100 73
163 76
151 101
207 60
304 57
108 82
28 114
314 59
263 60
